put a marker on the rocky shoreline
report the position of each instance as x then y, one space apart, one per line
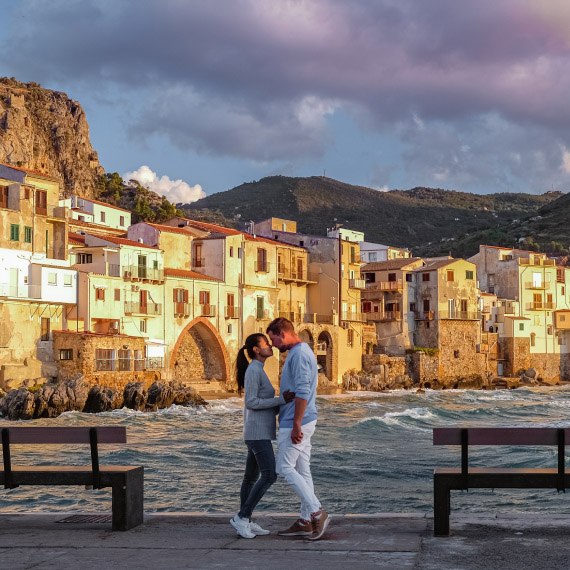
52 399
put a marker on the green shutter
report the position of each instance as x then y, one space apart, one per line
14 232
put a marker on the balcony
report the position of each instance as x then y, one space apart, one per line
385 316
544 286
315 318
142 273
152 309
385 286
424 315
286 274
460 315
262 266
537 262
352 316
357 260
541 306
208 310
113 270
357 284
181 310
232 312
292 316
198 262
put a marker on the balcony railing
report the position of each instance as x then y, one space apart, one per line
262 266
315 318
208 310
357 283
143 272
287 274
385 286
460 315
143 309
198 262
424 315
544 285
385 316
181 309
292 316
541 306
113 270
232 312
537 262
352 316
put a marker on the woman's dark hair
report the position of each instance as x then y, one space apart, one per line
241 362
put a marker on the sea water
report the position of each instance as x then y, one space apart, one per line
372 452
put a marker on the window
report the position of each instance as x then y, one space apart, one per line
103 217
532 339
41 202
52 278
14 232
27 234
262 265
372 256
521 327
455 354
85 258
45 329
562 290
3 196
408 277
230 328
66 353
391 277
198 259
67 280
117 296
469 275
124 360
121 220
450 275
139 360
350 337
549 329
260 308
105 360
426 305
142 325
100 294
204 297
239 252
231 311
425 276
412 307
231 250
370 277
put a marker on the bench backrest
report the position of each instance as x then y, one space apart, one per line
65 435
500 436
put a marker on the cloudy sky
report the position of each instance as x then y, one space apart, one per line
198 96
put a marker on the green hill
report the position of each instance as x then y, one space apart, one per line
426 219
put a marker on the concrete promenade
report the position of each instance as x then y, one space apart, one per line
195 540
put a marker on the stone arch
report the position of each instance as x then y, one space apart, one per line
306 336
324 350
199 354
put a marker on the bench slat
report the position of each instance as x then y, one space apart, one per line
500 436
59 435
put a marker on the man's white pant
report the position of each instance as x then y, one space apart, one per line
293 462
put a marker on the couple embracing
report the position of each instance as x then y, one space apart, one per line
297 421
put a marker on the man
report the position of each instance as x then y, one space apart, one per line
297 422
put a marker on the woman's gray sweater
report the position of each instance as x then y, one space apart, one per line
261 405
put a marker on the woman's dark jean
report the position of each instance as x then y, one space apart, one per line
259 475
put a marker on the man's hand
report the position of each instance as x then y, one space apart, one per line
288 396
296 434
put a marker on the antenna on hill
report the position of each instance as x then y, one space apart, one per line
324 173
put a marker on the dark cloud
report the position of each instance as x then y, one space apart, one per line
258 79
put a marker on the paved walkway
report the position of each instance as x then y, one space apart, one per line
187 540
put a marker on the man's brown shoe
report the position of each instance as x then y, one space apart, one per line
319 521
298 528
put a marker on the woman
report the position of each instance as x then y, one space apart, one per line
260 408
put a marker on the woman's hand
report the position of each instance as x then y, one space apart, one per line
288 396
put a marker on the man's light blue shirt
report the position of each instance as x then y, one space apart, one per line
299 375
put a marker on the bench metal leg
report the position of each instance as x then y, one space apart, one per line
128 501
441 507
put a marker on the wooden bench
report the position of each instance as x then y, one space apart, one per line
126 482
446 479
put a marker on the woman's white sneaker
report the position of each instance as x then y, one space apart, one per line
257 530
242 526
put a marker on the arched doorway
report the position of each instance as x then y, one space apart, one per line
199 356
324 354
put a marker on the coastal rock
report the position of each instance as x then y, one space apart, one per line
531 373
160 396
101 399
187 396
54 398
135 396
18 405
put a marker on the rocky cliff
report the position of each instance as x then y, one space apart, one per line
46 131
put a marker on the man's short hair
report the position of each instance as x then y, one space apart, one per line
279 325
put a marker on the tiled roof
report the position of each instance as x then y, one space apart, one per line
187 274
32 172
390 264
94 227
249 237
76 238
93 201
213 228
187 230
123 241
